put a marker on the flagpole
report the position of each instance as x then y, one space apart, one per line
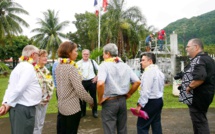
99 25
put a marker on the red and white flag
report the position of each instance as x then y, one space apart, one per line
104 5
96 7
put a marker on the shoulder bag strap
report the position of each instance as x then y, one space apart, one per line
94 69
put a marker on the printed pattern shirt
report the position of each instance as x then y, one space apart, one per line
201 67
186 80
46 83
70 89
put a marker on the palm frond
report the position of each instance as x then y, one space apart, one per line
49 33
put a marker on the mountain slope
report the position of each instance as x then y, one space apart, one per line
202 27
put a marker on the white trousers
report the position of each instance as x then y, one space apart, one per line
40 118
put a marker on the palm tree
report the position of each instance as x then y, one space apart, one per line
9 21
122 27
48 35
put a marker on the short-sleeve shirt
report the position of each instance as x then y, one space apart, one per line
201 67
117 78
161 35
148 39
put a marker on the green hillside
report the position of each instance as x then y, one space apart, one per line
202 26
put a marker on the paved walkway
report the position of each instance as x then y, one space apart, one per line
174 121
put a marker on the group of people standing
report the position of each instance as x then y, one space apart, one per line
113 81
150 40
29 90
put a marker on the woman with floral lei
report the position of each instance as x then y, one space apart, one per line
46 83
23 93
69 89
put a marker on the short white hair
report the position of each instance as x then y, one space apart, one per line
84 50
111 48
28 50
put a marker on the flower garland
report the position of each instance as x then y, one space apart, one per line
68 61
113 59
28 59
45 80
43 75
46 74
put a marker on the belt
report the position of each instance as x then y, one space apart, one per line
87 80
115 97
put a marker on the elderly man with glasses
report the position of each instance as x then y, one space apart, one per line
23 93
198 85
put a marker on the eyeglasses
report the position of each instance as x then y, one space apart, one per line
144 60
36 53
190 46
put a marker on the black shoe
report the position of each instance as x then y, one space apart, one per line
95 115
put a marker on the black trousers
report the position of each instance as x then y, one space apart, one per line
199 121
69 124
91 88
153 108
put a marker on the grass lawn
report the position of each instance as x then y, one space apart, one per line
170 101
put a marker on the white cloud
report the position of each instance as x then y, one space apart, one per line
158 13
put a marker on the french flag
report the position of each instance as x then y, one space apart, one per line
96 7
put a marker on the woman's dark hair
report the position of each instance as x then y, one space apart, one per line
65 48
150 56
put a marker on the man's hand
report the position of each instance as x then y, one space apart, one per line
94 80
137 110
100 101
193 84
128 95
4 109
91 105
188 89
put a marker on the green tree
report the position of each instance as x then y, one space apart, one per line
49 33
123 27
13 48
10 22
86 34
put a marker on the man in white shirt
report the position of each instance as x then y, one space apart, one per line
23 93
151 93
88 69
